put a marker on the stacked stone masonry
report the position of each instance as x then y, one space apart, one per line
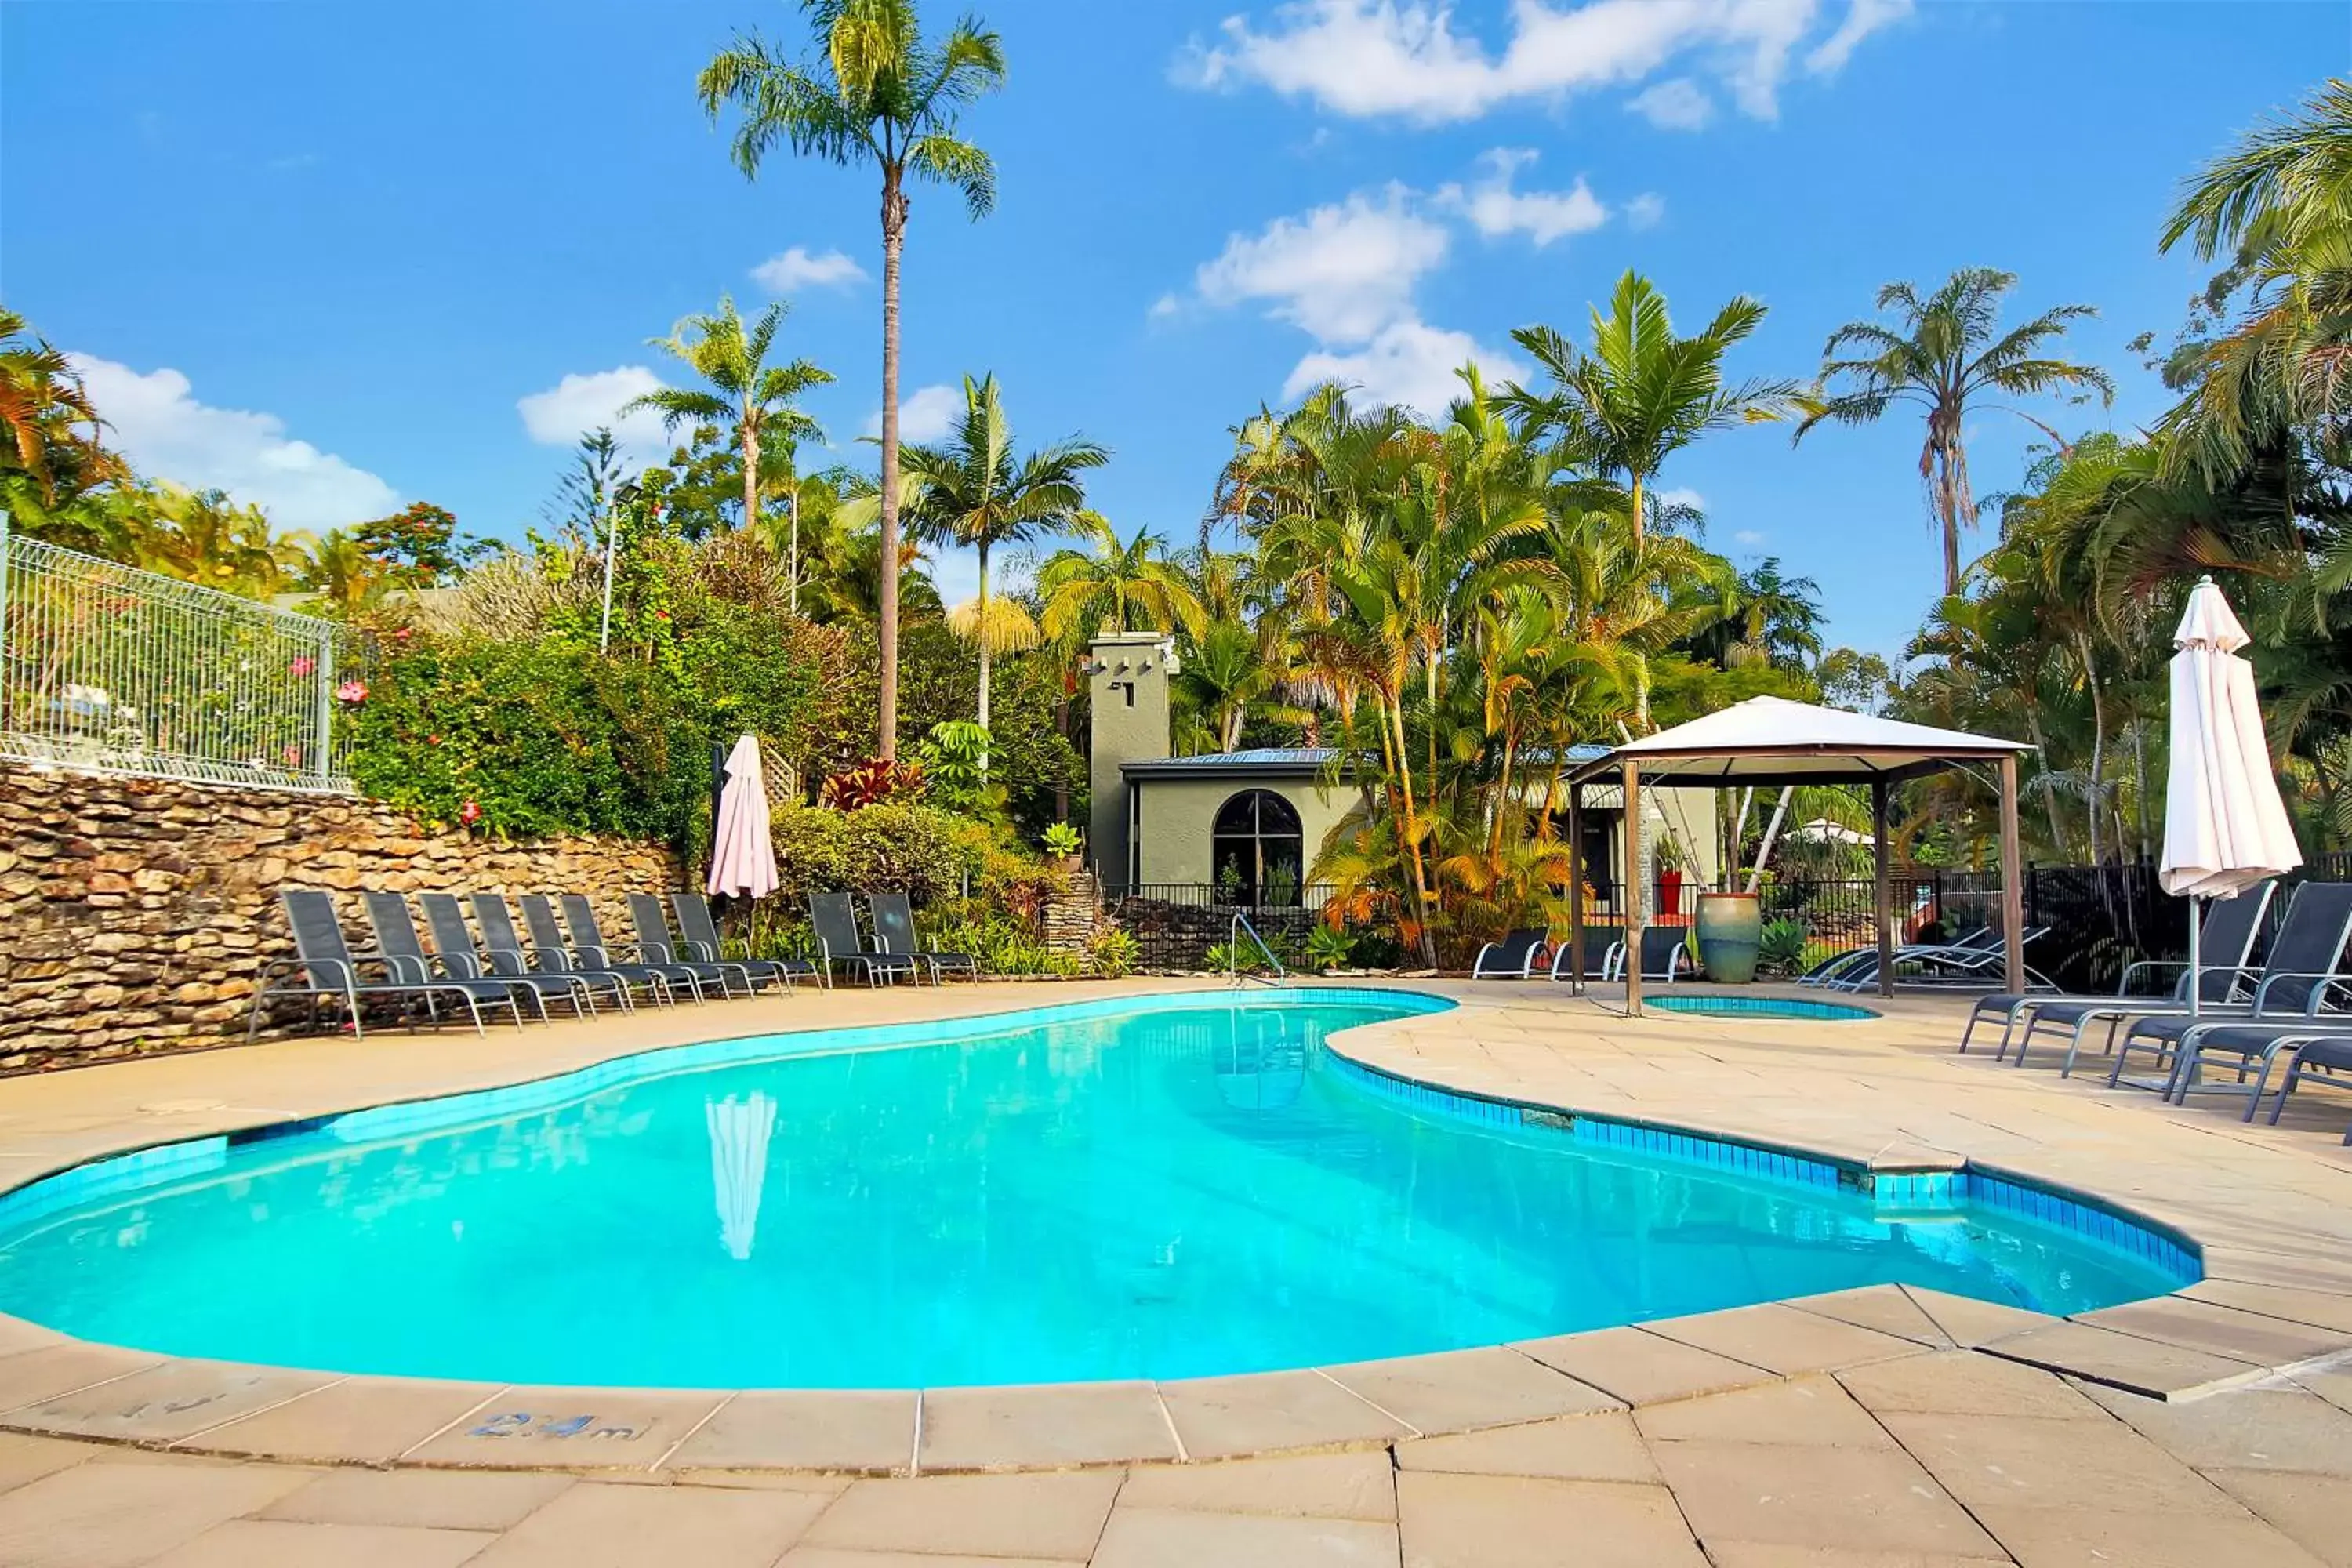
135 913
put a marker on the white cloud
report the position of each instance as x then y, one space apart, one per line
579 403
1494 208
1682 495
167 434
1164 307
1748 537
1645 211
1863 18
1407 362
1405 57
1340 271
927 414
1678 103
796 268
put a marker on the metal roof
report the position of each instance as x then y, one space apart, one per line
1290 760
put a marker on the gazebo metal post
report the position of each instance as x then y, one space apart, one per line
1576 889
1630 780
1885 893
2012 884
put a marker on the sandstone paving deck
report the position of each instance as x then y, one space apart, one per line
1855 1430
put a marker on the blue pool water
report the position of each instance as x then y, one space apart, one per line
1714 1006
1161 1187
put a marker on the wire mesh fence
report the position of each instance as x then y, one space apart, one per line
113 670
1177 924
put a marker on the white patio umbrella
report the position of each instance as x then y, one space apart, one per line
2225 828
739 1130
742 855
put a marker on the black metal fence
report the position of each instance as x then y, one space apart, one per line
2098 918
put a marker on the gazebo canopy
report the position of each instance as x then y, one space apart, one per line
1772 740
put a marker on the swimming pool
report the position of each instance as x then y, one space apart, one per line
1157 1187
1711 1006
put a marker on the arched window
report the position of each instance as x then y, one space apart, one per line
1256 851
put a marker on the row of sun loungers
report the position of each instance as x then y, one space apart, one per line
1523 954
2288 1015
559 956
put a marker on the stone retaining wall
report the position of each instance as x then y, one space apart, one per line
134 913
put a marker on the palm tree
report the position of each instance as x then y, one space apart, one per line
1642 392
976 492
879 93
747 392
2277 207
1112 583
49 431
1942 356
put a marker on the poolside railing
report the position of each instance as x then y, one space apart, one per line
107 669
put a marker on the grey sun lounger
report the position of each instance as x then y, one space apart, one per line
453 945
549 951
1976 956
324 968
652 925
2309 1057
589 942
2295 986
1829 970
1513 958
894 933
2225 943
699 928
396 939
835 917
510 955
1666 952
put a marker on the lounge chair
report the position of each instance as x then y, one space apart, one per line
593 951
1975 958
329 970
2295 986
1513 958
404 949
1832 970
836 919
699 928
2225 943
453 945
2310 1056
656 946
894 933
510 955
549 950
1666 952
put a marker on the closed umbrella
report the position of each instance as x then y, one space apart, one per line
2225 828
742 857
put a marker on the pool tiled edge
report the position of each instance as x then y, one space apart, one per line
1894 1192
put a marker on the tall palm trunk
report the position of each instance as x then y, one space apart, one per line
1393 712
893 239
2049 796
750 474
1633 491
983 651
1950 463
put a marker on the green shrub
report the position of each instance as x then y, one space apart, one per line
1780 947
1114 953
1330 947
925 852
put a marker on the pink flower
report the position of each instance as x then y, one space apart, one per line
352 691
469 814
403 634
303 667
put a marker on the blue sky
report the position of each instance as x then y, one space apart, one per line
336 256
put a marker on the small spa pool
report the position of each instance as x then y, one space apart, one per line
1157 1187
1718 1006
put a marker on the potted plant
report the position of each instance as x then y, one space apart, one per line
1670 880
1062 844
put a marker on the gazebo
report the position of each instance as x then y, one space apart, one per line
1769 741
